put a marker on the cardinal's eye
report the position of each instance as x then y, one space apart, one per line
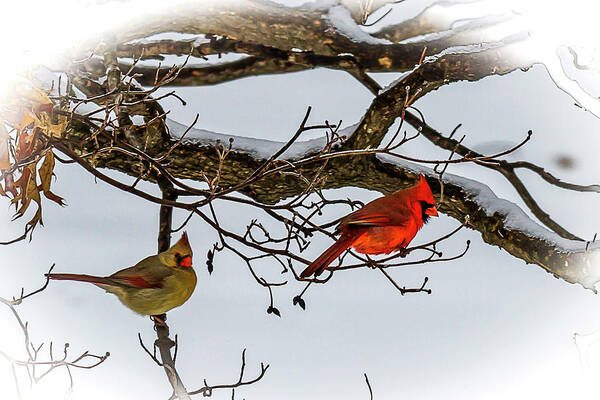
178 258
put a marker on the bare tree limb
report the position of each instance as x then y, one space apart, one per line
37 368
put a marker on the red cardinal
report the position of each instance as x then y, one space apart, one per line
384 225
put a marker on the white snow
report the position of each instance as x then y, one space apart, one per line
258 148
175 36
396 81
201 40
341 20
573 88
319 5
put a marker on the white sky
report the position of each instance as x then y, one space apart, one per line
493 328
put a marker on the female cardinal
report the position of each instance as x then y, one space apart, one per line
384 225
154 285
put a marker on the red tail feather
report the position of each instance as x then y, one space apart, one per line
81 278
319 265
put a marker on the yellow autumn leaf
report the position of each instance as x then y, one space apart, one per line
19 186
46 171
33 193
36 218
24 99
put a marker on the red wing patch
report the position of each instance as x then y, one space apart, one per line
368 220
375 220
136 281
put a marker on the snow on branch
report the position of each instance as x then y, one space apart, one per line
259 149
342 21
500 221
505 224
333 24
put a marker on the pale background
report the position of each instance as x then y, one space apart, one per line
494 328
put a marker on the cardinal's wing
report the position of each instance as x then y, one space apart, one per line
148 273
379 212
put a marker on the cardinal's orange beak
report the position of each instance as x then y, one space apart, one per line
186 262
431 211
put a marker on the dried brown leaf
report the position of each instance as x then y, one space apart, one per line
26 144
31 193
54 197
46 173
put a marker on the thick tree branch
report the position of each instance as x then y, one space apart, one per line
267 24
563 258
322 35
429 76
212 74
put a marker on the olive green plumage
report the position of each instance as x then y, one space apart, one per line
154 285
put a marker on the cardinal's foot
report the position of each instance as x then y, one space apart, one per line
371 263
158 321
